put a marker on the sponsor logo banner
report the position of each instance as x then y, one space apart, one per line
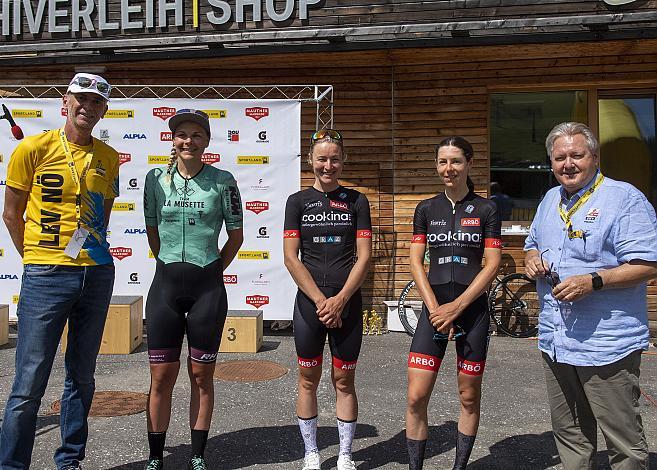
158 159
253 160
257 112
123 206
164 112
27 113
216 113
134 136
120 252
253 255
257 206
233 136
120 114
257 300
124 158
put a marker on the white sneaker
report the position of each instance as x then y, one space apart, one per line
345 463
311 461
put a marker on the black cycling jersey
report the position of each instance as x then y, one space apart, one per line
328 225
456 235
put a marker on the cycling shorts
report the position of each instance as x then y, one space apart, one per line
179 289
471 349
310 333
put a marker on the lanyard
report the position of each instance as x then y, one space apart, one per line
77 180
567 216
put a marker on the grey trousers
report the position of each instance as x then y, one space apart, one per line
582 398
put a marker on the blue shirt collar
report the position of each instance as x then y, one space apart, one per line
578 194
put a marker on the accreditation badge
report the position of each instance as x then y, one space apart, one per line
76 242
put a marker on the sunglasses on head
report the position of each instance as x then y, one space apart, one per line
551 276
319 135
85 82
439 336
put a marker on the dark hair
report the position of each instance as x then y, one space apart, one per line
465 147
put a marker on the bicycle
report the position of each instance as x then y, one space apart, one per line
512 304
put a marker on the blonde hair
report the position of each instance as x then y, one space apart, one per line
172 161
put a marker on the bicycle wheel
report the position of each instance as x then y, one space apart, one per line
409 307
513 304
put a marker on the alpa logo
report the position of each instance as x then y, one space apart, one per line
134 136
8 276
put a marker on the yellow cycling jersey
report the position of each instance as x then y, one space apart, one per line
38 166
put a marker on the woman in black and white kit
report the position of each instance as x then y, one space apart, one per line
330 225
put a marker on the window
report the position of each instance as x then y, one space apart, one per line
519 124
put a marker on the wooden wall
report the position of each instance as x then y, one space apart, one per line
395 105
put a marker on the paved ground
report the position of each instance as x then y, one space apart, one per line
255 425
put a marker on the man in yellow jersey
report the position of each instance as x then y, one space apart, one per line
60 188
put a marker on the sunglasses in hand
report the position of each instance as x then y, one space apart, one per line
439 336
551 275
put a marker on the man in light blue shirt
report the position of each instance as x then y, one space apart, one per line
592 246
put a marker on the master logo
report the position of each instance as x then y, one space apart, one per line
158 159
253 159
257 206
210 158
120 114
123 206
124 158
120 252
27 113
164 112
257 300
258 255
216 113
257 112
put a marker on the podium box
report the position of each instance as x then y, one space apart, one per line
242 331
124 328
4 324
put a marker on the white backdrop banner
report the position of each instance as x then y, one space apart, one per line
256 140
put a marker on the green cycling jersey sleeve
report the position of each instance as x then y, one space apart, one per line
189 212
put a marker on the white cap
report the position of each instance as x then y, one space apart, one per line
89 83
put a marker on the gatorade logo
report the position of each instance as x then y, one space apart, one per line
210 158
257 301
257 206
120 252
124 158
257 112
120 114
164 112
27 113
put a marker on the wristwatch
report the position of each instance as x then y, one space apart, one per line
597 281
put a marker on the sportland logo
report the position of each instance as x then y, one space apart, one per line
120 252
210 158
123 206
27 113
257 206
158 159
166 136
119 114
124 158
230 278
257 300
257 112
164 112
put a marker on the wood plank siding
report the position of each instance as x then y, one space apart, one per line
395 105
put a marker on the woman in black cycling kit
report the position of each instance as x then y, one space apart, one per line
330 225
459 228
185 206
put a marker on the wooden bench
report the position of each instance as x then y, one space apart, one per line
242 332
124 328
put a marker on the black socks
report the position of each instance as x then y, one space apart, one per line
415 453
464 445
156 444
199 440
